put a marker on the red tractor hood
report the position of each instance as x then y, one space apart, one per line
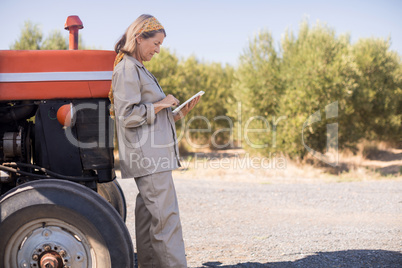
55 74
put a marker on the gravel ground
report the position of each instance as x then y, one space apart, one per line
241 220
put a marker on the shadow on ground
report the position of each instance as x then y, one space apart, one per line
347 258
383 155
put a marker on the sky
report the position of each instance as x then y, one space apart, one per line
212 30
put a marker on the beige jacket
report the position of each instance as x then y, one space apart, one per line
147 142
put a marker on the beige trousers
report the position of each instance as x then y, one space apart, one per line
157 223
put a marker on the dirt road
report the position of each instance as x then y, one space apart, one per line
245 219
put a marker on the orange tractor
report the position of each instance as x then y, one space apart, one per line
60 204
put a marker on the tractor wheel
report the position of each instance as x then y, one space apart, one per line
113 193
54 223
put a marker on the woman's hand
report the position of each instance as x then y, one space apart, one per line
186 109
168 101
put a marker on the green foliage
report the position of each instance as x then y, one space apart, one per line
215 80
30 39
164 66
311 71
260 60
54 41
258 89
378 97
316 70
271 96
184 78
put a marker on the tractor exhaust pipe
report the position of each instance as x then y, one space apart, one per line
73 24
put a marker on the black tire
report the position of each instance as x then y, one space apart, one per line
61 215
113 193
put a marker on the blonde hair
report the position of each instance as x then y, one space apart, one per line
127 43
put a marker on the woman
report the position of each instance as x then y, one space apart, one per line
147 144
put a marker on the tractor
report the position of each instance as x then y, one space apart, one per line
61 205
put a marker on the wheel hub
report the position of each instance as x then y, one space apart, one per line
50 244
51 259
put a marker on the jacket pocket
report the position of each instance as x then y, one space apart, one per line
150 92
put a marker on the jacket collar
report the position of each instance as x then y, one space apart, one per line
131 58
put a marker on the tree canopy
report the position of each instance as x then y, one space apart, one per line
314 91
32 38
312 72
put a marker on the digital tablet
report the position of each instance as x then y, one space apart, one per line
187 101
